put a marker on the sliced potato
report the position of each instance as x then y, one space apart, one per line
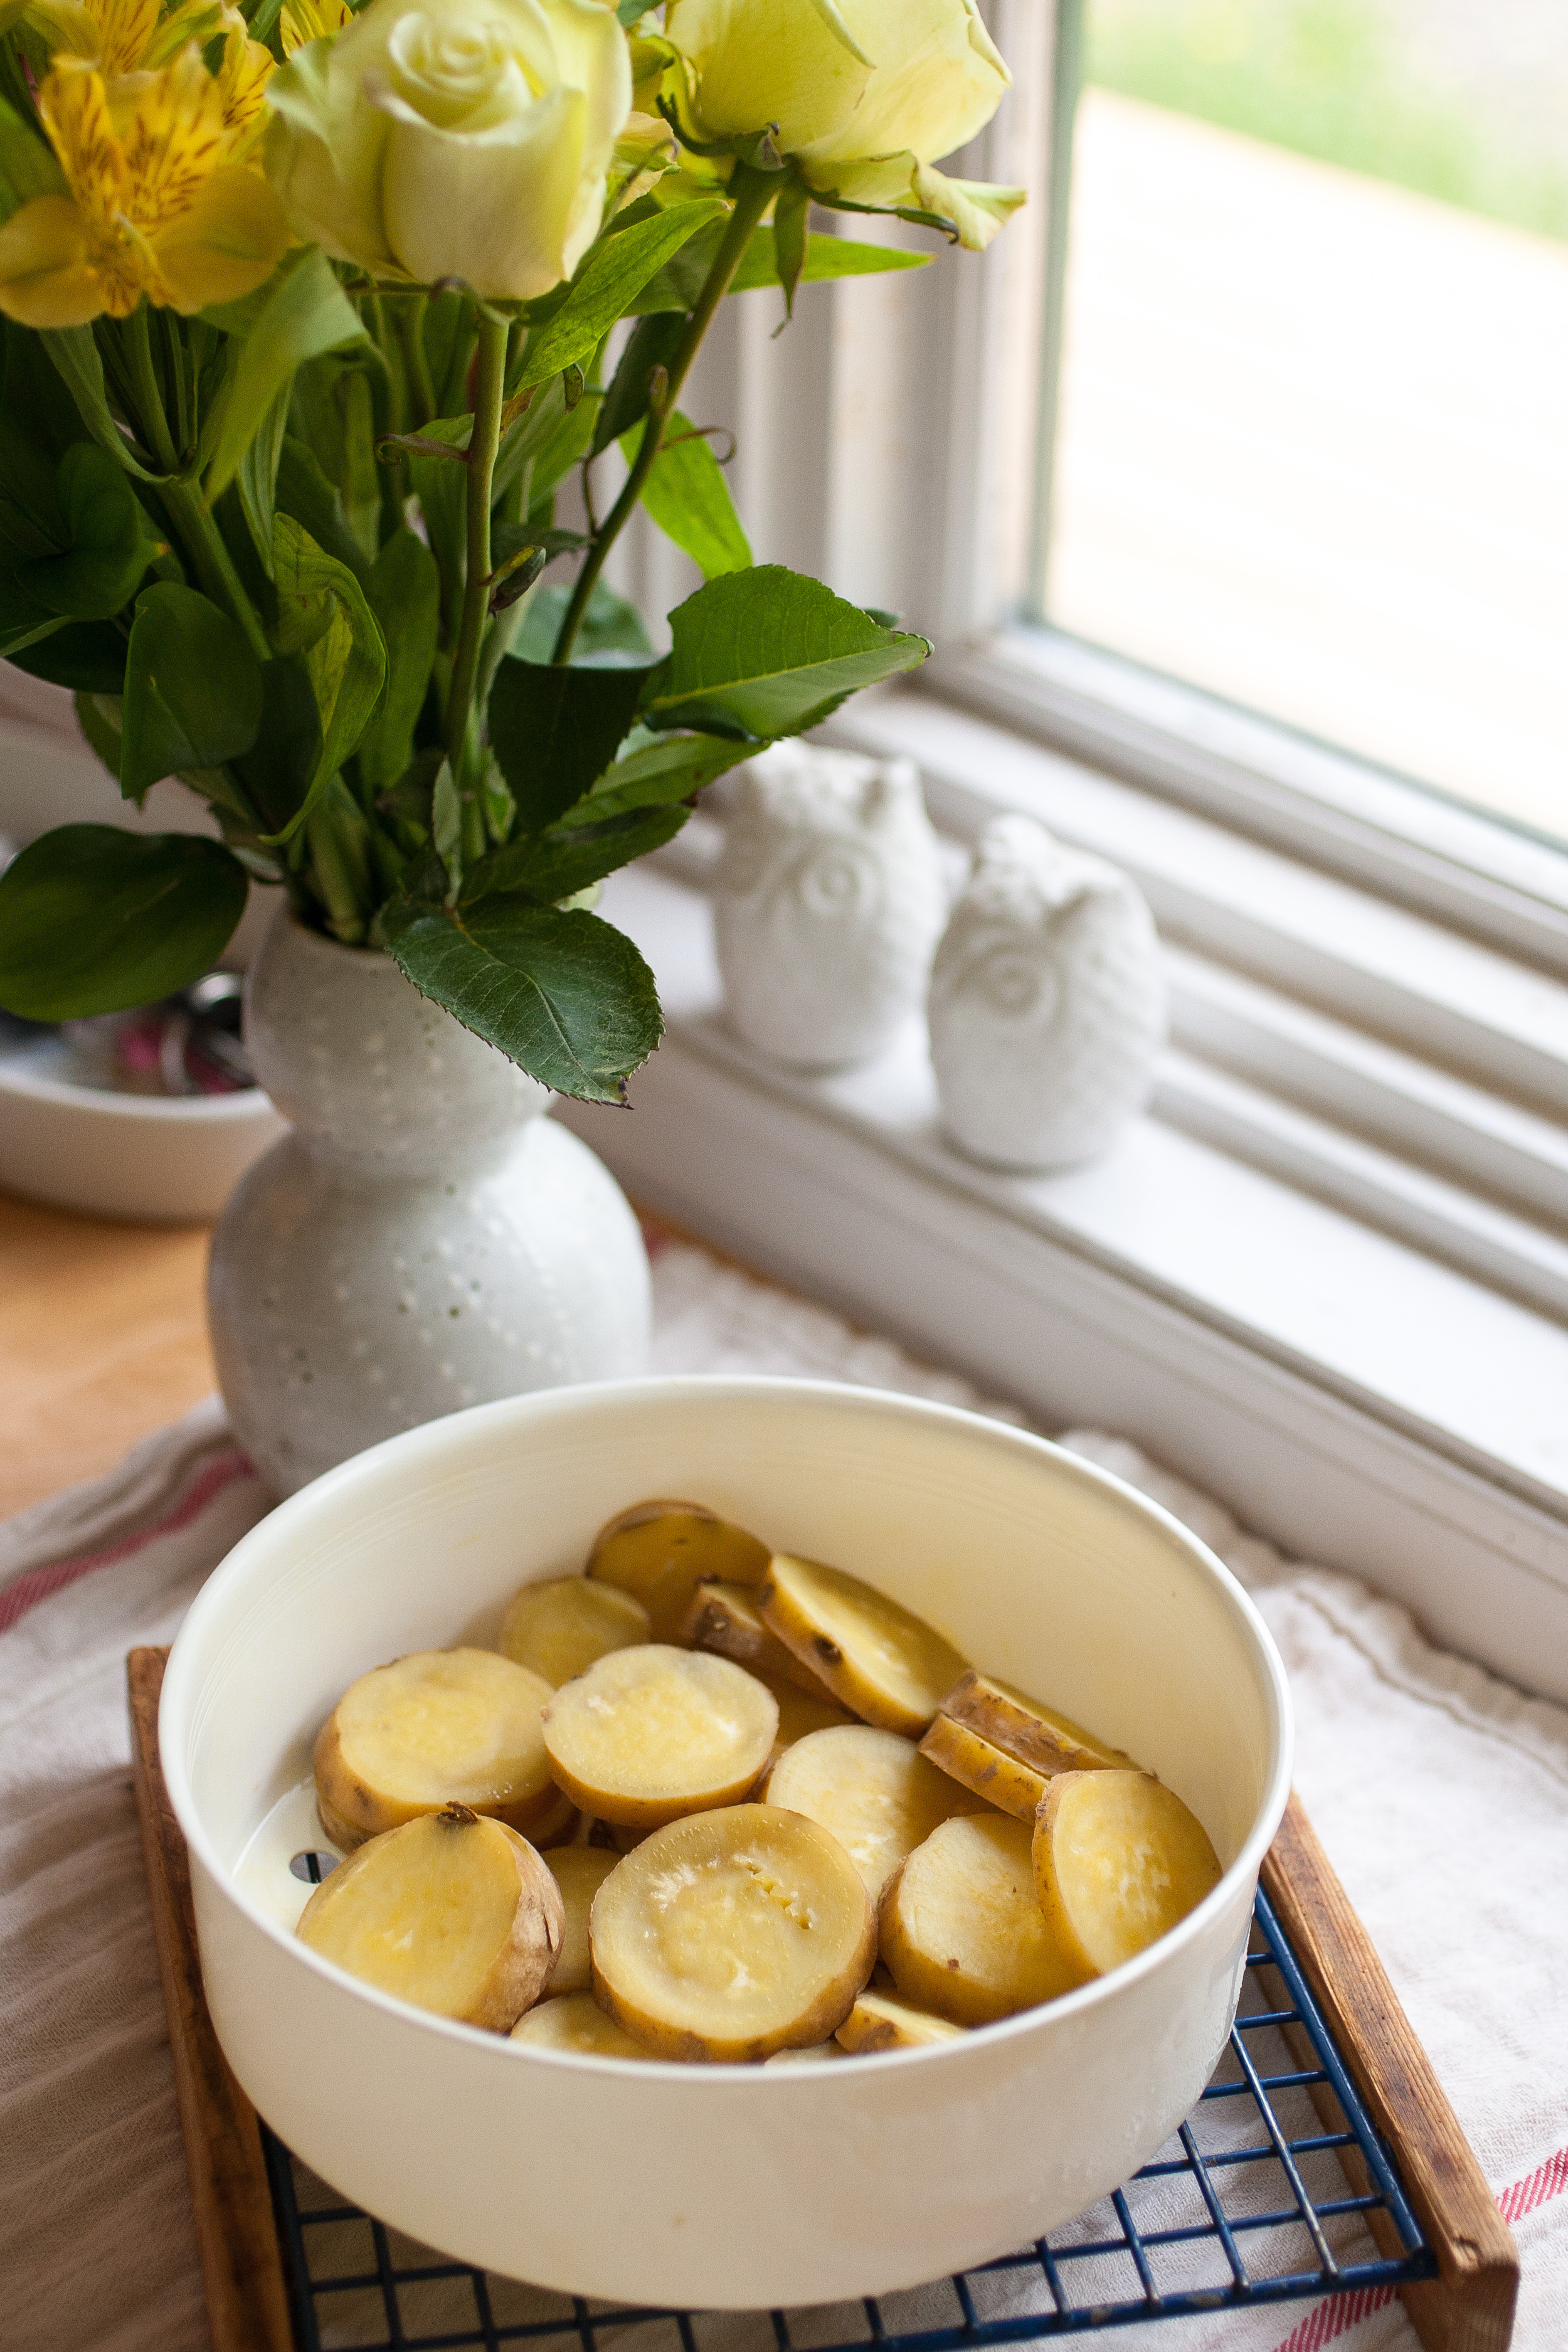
799 1716
884 1662
725 1619
1037 1734
658 1551
453 1912
573 2020
557 1827
1118 1860
961 1927
649 1734
731 1935
557 1630
579 1870
873 1790
879 2022
1001 1779
441 1727
818 2055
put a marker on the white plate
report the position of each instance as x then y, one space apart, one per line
725 2186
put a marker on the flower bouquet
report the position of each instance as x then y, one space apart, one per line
308 315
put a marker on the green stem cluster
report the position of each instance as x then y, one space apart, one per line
753 192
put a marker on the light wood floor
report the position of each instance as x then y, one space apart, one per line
103 1338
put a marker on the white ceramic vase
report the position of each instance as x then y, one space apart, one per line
426 1238
827 903
1047 1002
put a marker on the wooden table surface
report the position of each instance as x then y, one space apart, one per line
103 1339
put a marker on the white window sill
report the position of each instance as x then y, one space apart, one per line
1356 1399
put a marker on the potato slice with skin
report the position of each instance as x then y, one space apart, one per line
579 1870
440 1727
649 1734
453 1912
818 2055
875 1792
731 1935
1001 1779
573 2020
725 1619
879 1659
879 2022
961 1927
658 1551
557 1629
1037 1734
1118 1860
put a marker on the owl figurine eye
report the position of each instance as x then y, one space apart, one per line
827 901
1048 1004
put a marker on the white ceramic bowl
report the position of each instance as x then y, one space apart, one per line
726 2185
163 1160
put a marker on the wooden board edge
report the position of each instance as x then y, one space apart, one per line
1469 2306
236 2236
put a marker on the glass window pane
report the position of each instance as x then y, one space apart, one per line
1313 428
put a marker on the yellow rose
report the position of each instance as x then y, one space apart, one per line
464 139
867 94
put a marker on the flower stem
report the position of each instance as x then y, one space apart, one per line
482 445
183 501
752 191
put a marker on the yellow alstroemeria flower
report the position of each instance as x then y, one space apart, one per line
311 20
125 37
154 207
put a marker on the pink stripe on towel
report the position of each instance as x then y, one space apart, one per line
42 1583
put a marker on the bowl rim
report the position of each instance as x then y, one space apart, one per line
429 1438
241 1103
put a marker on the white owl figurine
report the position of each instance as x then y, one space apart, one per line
828 901
1047 1002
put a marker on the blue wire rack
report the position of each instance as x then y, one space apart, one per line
1249 2204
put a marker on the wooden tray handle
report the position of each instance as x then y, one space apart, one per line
1468 2306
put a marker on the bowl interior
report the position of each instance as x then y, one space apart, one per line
1040 1568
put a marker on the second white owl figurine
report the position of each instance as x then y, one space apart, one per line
828 901
1047 1002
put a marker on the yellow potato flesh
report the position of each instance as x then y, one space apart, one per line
884 1664
1025 1728
574 2021
878 2021
441 1727
799 1716
731 1935
873 1790
961 1927
1118 1860
557 1630
579 1870
649 1734
452 1912
659 1551
953 1748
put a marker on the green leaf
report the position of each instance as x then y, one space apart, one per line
606 287
323 616
441 489
678 283
671 769
256 479
688 497
650 344
88 656
93 920
109 541
767 653
306 313
101 721
404 592
75 355
564 996
553 728
612 634
790 223
446 824
317 505
558 863
276 770
193 689
27 167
